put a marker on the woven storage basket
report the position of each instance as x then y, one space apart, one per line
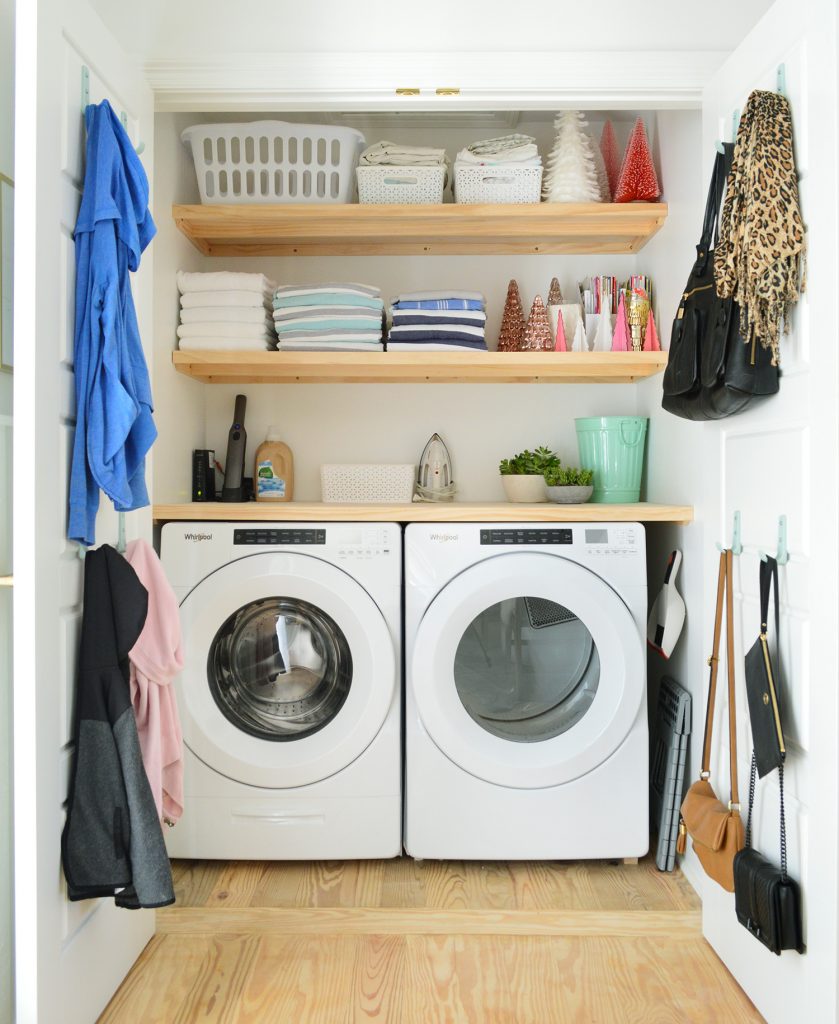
368 482
497 184
400 184
274 162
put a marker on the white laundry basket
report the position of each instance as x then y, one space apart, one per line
355 484
497 184
274 162
401 184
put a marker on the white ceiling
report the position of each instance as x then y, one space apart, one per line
163 28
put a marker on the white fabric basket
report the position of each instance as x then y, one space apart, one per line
368 482
497 184
401 184
274 162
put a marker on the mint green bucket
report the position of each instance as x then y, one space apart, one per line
613 447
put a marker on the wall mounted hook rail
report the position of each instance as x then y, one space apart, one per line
781 79
782 551
138 149
736 541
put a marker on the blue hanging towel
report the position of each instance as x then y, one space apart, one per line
114 425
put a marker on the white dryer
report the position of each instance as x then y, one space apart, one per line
290 699
526 719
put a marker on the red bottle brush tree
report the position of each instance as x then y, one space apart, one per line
637 179
611 157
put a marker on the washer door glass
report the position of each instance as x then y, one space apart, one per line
526 669
279 668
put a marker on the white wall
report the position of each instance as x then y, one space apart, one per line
348 423
7 71
168 29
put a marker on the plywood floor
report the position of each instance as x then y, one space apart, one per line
401 942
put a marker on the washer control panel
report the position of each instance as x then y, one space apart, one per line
255 535
611 540
526 536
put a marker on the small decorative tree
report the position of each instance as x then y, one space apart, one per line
511 334
537 332
554 293
637 179
620 339
561 345
571 173
611 157
651 342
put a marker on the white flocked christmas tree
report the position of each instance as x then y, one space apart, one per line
571 171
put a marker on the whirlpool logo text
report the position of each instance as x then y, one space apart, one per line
442 538
198 536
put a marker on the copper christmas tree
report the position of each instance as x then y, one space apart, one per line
537 332
511 335
611 157
554 293
637 178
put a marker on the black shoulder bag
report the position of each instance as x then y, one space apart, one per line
762 682
711 372
767 900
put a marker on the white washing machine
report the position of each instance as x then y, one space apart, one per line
290 700
526 719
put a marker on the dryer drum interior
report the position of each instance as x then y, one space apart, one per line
526 669
279 668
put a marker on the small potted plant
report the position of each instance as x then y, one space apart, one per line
523 476
568 486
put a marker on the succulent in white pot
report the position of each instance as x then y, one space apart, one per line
523 476
569 486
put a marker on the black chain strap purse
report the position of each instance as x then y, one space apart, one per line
766 899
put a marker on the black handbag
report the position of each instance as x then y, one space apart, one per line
762 682
766 899
711 372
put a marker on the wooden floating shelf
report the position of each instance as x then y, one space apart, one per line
421 512
423 229
419 368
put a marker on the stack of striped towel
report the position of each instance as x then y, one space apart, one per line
327 317
437 322
225 310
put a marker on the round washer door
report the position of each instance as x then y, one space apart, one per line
290 670
527 670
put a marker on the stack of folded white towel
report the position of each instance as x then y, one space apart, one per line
335 316
394 154
225 310
439 321
508 150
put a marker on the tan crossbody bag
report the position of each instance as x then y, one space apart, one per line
716 828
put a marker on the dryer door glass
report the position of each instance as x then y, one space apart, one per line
279 668
526 669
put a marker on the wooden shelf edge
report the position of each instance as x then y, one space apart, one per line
421 229
418 368
418 512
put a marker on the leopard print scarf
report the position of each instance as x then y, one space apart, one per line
760 257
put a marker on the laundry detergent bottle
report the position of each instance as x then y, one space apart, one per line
273 472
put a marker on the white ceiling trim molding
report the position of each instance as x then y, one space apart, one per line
487 81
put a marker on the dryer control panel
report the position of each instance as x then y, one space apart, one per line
513 535
257 535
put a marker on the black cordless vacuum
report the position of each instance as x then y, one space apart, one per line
234 469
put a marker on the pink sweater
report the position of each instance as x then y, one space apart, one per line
156 658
